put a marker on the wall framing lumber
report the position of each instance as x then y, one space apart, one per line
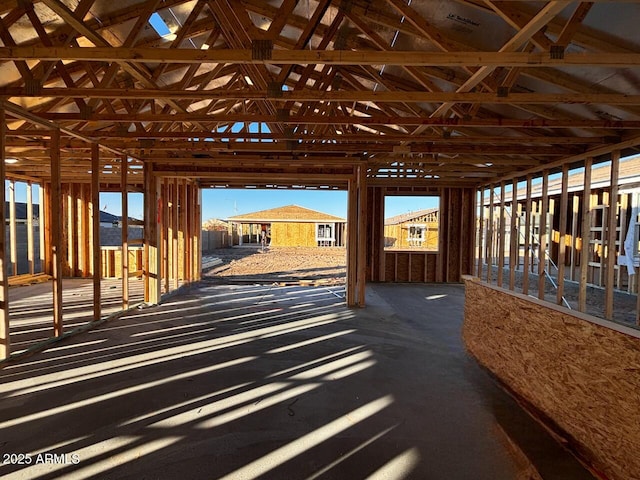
182 230
152 224
30 242
352 243
612 234
174 259
44 225
56 233
124 168
165 234
574 235
542 235
527 260
490 234
501 236
514 255
13 242
95 223
361 274
480 240
86 261
562 234
5 340
197 245
587 204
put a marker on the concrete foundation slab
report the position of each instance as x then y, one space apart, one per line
259 381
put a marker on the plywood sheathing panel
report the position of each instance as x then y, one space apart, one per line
583 375
293 235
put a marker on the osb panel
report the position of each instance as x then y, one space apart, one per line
585 377
293 235
396 236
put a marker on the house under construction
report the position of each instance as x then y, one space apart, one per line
485 104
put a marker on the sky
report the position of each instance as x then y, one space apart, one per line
224 203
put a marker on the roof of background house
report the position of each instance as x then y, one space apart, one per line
21 213
406 217
288 213
21 210
628 176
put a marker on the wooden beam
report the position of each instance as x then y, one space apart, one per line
612 235
166 235
562 233
183 230
574 234
30 242
501 236
352 243
174 234
381 96
504 58
572 25
5 339
490 234
527 238
95 222
544 16
586 234
152 260
13 241
56 234
514 238
542 236
362 236
481 236
125 230
342 120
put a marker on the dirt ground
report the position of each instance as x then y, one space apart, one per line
278 263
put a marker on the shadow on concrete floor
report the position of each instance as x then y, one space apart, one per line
252 381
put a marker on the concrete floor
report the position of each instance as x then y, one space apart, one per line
246 382
31 307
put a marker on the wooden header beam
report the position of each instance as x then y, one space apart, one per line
332 95
342 120
324 57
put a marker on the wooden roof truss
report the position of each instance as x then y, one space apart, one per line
280 92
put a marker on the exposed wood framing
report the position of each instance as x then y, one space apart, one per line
13 242
152 225
30 242
501 235
562 234
490 234
514 237
56 233
542 236
352 243
361 274
124 168
611 251
5 340
481 239
95 222
587 204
